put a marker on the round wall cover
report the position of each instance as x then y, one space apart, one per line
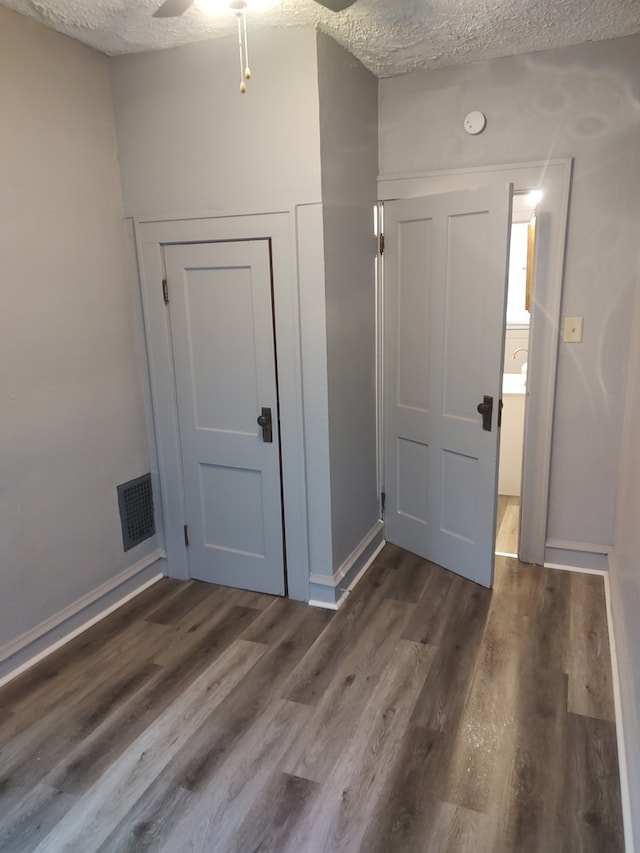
475 122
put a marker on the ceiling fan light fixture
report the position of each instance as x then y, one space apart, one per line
336 5
173 8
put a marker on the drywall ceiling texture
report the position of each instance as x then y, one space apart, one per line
389 38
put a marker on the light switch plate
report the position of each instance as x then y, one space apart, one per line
572 332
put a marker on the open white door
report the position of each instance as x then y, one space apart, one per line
222 334
445 275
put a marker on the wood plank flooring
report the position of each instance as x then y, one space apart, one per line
507 524
428 714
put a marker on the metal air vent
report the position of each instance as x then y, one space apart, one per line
135 500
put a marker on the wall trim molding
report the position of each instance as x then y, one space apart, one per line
26 650
388 184
332 591
577 555
622 690
625 705
570 545
581 570
325 605
280 228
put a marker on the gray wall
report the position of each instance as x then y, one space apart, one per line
71 411
349 154
625 571
580 102
190 143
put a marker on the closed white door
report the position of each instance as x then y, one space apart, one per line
445 275
221 316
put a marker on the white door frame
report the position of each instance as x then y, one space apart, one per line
151 236
554 178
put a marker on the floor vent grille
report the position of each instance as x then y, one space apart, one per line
135 500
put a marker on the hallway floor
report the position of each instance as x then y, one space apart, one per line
507 524
428 714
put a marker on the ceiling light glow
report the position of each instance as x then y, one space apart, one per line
222 7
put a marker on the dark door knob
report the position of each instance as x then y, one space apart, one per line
264 421
486 410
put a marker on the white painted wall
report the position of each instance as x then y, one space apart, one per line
514 340
625 570
349 154
71 406
580 102
190 143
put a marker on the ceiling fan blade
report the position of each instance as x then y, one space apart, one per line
172 8
336 5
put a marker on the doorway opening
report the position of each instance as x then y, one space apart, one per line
514 378
554 178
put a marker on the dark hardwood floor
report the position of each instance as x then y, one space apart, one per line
428 714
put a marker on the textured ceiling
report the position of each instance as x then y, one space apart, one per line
389 36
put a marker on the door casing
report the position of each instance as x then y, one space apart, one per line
554 178
151 236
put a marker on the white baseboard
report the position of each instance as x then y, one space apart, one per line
325 605
355 579
331 591
622 686
575 545
585 555
26 650
581 570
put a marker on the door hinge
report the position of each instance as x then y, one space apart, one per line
382 244
165 291
383 500
186 534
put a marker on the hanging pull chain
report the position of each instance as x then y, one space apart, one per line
247 70
240 9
